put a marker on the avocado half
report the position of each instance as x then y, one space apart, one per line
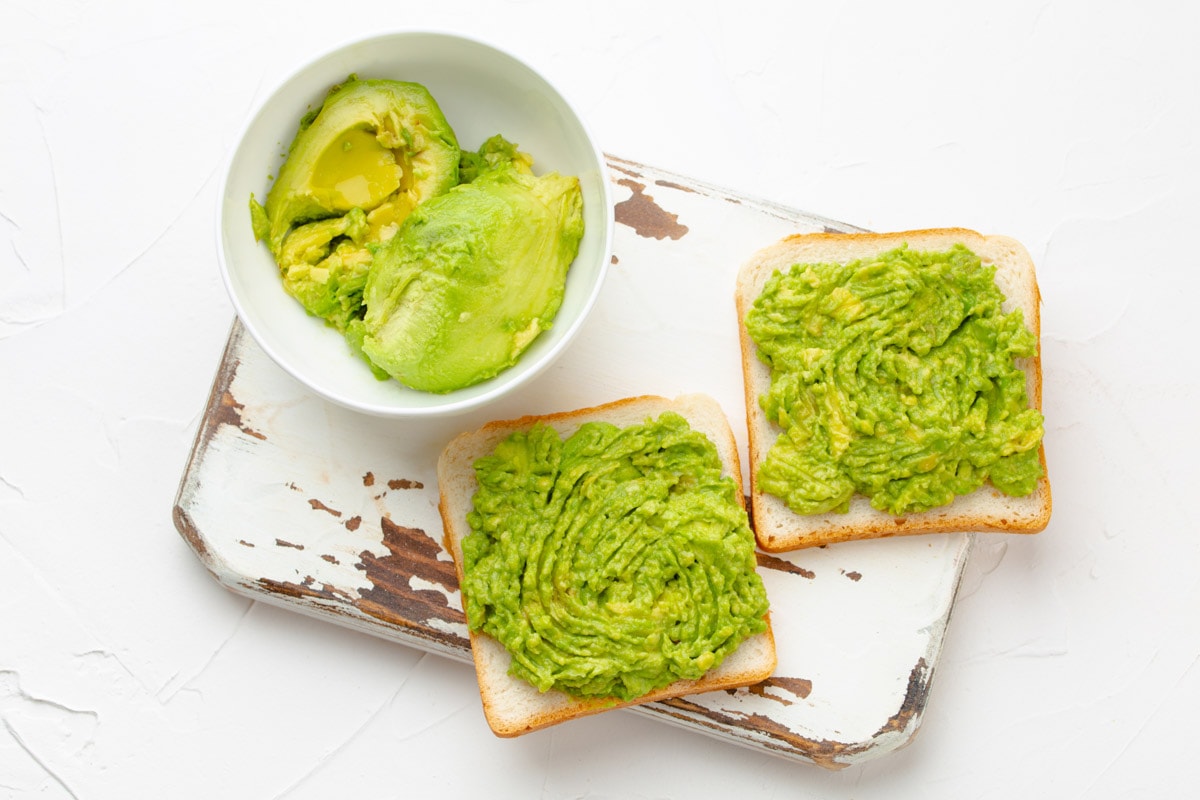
472 278
358 166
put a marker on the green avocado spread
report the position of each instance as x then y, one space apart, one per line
612 563
895 377
438 295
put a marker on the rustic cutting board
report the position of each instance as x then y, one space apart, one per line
293 501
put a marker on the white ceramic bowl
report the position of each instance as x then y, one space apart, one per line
482 91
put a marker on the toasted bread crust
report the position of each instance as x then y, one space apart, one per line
512 706
777 527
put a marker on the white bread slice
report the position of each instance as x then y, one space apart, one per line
511 705
777 527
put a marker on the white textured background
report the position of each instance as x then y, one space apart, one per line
1070 669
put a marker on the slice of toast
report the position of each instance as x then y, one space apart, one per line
777 527
511 705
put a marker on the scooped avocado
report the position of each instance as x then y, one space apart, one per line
437 294
359 165
613 563
472 277
894 377
496 153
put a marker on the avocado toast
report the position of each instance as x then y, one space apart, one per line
666 572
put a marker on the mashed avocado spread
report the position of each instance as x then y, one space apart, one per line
894 377
440 266
613 563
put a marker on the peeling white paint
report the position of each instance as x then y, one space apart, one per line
270 491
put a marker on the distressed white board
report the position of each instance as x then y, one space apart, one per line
296 502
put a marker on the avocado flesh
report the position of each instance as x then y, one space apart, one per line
357 168
324 265
495 153
472 277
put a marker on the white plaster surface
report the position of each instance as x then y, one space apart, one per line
1070 667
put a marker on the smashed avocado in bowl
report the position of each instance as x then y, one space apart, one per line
423 224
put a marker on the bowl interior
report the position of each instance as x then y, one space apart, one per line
482 91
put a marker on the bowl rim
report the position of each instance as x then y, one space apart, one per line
452 406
